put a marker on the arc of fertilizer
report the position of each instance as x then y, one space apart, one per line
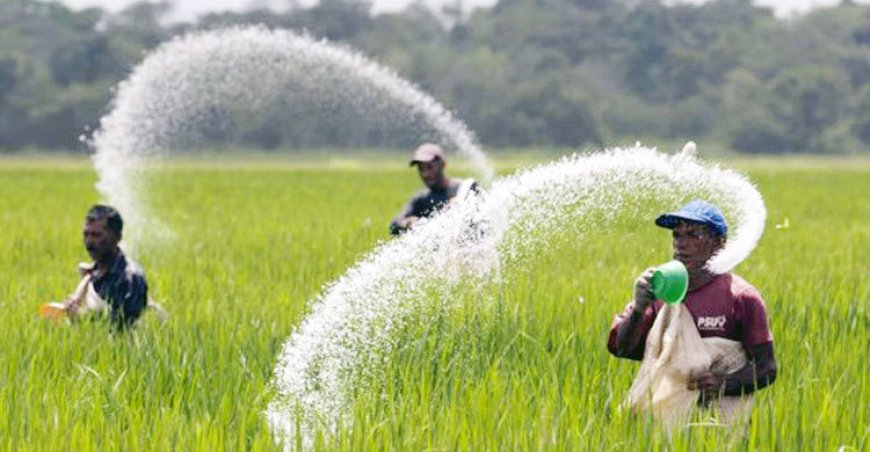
350 328
177 90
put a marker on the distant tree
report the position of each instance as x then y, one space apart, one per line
81 61
8 77
590 4
795 113
861 122
808 100
338 20
547 111
757 131
142 23
646 31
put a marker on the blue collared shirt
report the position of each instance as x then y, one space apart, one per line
124 288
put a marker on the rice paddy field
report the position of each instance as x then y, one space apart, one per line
255 240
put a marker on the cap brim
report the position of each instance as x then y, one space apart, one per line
669 220
416 161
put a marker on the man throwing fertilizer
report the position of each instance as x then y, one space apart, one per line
721 305
113 283
440 190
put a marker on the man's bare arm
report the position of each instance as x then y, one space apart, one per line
626 340
758 373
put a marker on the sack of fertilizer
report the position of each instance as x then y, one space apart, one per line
674 353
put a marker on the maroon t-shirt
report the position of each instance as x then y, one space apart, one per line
727 307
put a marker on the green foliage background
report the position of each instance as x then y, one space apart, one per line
527 369
522 73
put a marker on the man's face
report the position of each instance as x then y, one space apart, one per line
431 173
694 244
99 240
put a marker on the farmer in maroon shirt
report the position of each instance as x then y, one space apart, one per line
722 305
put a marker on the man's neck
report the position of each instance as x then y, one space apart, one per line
699 278
102 266
442 184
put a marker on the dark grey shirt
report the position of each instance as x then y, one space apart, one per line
124 288
427 202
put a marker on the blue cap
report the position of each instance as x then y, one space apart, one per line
696 211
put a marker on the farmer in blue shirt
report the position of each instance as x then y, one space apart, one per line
117 280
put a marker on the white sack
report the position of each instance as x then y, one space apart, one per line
674 353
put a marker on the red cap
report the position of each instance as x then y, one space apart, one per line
426 153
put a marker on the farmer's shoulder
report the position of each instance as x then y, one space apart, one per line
421 195
741 287
744 292
132 269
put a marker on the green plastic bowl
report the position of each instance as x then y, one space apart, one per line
670 282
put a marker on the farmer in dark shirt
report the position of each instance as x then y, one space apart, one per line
117 281
721 305
441 190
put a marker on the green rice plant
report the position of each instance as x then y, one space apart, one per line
519 364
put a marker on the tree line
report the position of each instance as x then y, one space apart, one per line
522 73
